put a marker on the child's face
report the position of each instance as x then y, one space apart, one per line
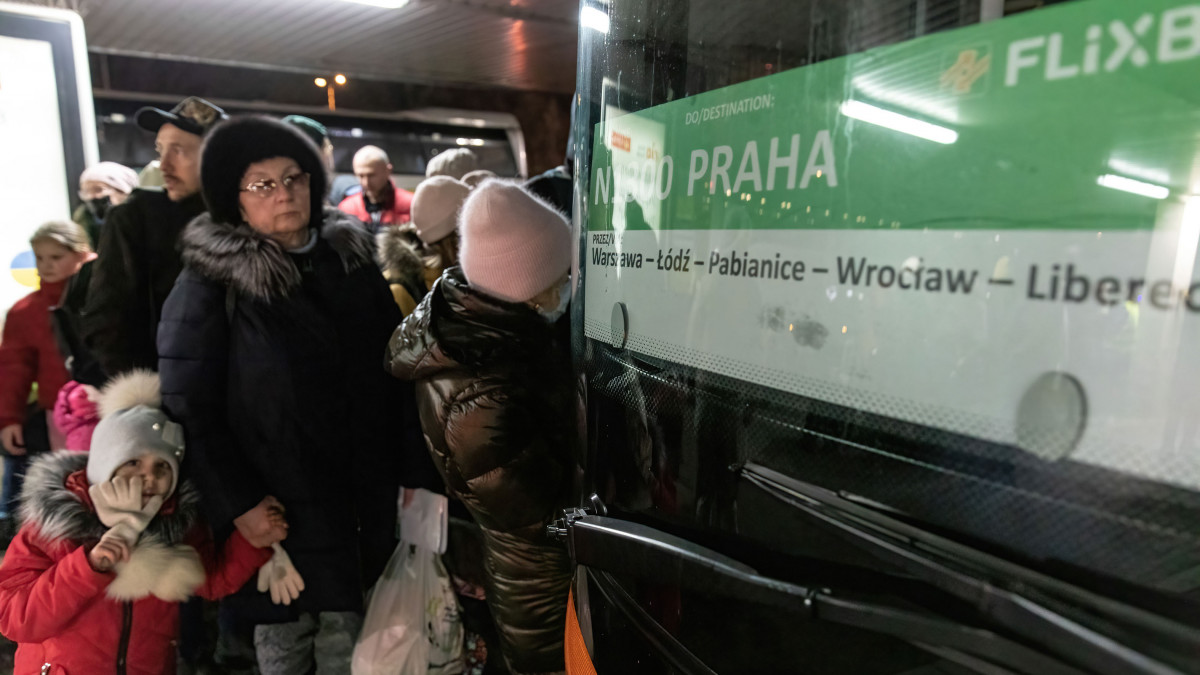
154 472
55 262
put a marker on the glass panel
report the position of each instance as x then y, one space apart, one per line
944 270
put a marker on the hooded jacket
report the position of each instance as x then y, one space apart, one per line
76 416
28 354
271 362
402 267
63 613
498 407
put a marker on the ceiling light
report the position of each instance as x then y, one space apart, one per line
339 78
593 18
1136 187
386 4
463 141
897 122
320 82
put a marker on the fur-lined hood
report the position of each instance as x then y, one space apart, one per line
396 255
59 513
160 564
256 266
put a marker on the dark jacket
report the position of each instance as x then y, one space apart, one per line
271 361
131 280
555 186
84 217
73 618
498 407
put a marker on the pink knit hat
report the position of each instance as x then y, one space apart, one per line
435 207
514 245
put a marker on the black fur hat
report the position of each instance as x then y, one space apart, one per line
233 146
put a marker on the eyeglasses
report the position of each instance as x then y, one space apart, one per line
266 188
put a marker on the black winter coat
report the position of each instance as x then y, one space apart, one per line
498 407
133 277
271 361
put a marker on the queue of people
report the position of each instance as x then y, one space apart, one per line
268 373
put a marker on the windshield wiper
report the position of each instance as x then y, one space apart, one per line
1026 611
622 548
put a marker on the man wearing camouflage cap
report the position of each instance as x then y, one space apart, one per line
139 254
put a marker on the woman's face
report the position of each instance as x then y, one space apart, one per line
274 198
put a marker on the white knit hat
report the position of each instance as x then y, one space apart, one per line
114 175
455 163
435 207
132 424
514 245
478 176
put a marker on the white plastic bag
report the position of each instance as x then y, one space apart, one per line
413 624
424 521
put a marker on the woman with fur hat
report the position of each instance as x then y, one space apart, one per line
111 542
269 352
499 407
411 271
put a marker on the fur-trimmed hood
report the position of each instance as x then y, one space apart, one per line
55 505
396 254
59 513
256 266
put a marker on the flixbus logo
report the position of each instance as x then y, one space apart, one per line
967 68
1173 35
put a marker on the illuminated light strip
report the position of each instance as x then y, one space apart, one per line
897 122
593 18
1130 185
386 4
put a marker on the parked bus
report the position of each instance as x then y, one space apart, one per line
883 313
411 138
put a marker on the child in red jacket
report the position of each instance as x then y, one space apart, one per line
28 353
111 541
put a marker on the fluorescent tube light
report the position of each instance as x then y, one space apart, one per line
1130 185
897 122
386 4
593 18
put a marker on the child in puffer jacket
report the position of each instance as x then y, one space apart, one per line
111 541
76 416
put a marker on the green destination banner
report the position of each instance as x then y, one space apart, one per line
991 231
1006 125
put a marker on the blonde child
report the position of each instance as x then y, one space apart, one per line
28 353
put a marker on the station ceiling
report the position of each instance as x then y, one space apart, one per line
519 44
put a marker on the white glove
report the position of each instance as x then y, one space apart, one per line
118 504
280 578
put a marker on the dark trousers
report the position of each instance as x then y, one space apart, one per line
14 480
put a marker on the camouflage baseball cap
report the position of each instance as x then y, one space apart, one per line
193 115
